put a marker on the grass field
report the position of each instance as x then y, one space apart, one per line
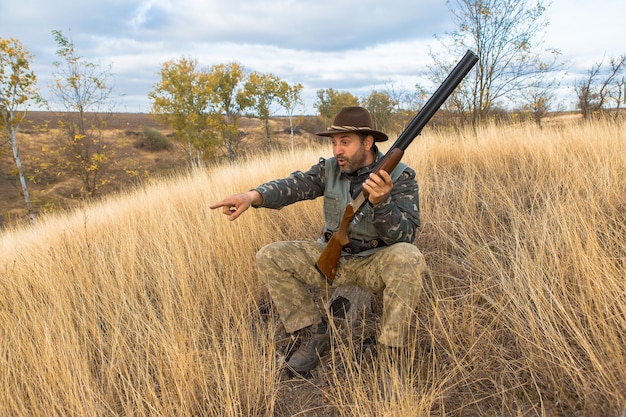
148 303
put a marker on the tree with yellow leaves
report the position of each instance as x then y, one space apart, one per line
203 106
81 89
265 93
181 98
18 88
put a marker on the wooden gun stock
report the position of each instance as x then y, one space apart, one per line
329 259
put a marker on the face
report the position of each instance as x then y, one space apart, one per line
351 152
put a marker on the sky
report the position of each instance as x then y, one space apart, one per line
341 44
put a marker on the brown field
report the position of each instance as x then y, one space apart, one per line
52 189
148 303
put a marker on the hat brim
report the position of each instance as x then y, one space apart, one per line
378 136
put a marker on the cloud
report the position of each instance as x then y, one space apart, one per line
322 44
585 31
325 44
322 25
374 67
147 15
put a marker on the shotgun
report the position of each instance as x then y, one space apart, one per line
329 258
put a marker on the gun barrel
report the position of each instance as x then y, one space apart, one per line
436 100
433 104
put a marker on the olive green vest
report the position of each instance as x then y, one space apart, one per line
337 196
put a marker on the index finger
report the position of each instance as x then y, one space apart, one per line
218 204
221 203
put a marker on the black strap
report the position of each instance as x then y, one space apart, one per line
356 246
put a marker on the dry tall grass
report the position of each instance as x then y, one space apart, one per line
149 303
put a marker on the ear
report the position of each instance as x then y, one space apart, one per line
368 142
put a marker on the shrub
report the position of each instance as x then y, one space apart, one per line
153 140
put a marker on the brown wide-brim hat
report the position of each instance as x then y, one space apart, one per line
354 119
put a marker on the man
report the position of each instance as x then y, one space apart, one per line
381 256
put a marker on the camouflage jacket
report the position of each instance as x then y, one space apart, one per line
396 219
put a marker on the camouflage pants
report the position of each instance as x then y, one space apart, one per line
397 271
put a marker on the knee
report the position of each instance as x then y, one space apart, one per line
404 263
267 253
285 255
403 252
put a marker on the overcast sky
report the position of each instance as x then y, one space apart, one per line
341 44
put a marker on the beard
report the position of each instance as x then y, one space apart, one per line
356 161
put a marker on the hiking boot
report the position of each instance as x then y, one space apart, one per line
315 342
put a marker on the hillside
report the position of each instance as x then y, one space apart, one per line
53 189
149 303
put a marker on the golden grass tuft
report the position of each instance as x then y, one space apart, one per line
148 303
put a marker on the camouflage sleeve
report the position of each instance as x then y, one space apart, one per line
398 218
296 187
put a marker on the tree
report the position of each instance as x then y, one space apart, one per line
382 108
203 106
289 99
406 104
620 96
228 101
262 92
539 95
18 87
505 34
182 99
538 98
601 86
409 101
330 101
81 89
